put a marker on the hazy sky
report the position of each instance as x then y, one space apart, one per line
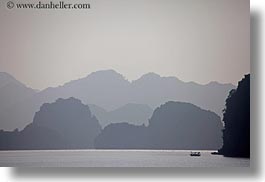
194 40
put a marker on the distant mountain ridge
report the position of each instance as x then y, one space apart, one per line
69 124
63 124
173 125
110 90
11 92
136 114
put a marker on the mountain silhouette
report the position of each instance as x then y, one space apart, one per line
136 114
177 125
236 135
122 136
69 124
64 124
110 90
173 125
12 92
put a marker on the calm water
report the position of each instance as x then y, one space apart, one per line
117 158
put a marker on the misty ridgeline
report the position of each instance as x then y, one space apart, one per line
72 122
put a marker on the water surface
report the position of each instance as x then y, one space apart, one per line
116 158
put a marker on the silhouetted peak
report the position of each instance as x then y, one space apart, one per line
59 101
236 117
245 80
70 105
247 76
177 105
6 78
150 76
106 74
177 109
6 75
174 125
103 77
69 100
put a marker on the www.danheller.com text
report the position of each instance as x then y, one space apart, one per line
47 5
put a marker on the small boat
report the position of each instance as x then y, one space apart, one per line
215 153
195 154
